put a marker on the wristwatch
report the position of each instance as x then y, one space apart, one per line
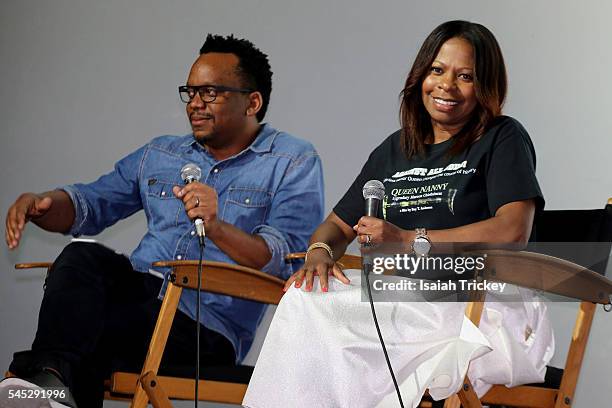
421 244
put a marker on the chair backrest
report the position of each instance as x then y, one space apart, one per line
580 226
569 257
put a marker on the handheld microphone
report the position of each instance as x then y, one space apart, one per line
190 173
373 192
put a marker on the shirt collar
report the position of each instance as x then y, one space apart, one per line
261 144
265 138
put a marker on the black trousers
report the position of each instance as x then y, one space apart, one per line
97 316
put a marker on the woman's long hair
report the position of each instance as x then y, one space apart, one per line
490 84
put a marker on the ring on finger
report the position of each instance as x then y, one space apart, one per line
197 204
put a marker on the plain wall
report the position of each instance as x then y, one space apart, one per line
85 82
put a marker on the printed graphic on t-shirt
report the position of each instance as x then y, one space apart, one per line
439 190
422 189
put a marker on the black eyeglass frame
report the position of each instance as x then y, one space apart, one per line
198 89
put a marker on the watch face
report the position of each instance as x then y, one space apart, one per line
421 246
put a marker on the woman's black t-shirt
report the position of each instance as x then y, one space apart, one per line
437 191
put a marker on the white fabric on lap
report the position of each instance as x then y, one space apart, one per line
322 350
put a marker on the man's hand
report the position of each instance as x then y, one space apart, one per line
200 201
28 206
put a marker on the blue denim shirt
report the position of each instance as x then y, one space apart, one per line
274 188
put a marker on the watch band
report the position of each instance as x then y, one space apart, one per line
421 233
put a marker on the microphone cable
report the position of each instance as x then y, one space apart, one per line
373 194
192 173
366 272
197 376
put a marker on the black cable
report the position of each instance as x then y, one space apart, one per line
366 272
197 376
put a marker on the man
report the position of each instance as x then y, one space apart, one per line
260 197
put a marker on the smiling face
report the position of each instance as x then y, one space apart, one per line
448 90
222 121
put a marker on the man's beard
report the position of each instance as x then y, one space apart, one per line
208 137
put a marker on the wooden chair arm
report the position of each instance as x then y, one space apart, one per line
295 256
226 279
347 261
531 270
547 273
32 265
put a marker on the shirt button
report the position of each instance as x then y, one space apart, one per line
192 232
179 257
246 200
163 193
215 170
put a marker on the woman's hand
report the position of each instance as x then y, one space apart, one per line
320 264
375 231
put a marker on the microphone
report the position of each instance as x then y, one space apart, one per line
373 192
190 173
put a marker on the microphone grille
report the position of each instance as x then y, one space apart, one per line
191 172
373 189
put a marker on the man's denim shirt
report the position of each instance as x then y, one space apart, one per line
274 188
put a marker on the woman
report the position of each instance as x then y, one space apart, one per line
457 171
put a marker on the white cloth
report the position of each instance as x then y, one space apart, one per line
322 350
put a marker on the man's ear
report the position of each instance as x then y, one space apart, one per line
255 103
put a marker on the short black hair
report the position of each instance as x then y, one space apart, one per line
253 65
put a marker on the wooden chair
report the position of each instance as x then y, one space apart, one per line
559 276
225 384
219 384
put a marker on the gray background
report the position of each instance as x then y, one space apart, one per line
86 82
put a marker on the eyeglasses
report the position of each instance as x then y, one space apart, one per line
208 93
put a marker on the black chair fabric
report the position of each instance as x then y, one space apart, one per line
576 226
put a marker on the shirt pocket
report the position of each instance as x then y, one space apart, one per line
164 207
246 207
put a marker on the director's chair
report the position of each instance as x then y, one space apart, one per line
224 384
577 274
